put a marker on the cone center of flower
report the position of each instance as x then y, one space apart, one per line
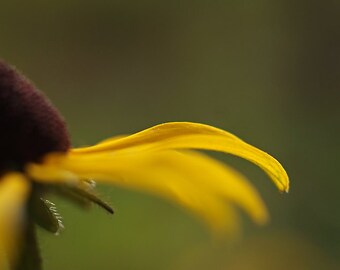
30 126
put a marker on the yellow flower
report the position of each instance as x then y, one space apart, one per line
36 158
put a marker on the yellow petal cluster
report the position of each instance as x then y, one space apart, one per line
161 160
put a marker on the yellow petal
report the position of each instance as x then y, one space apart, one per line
14 190
50 174
221 179
193 180
185 135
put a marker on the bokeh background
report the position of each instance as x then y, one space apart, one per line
267 71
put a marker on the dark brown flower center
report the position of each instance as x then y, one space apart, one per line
30 126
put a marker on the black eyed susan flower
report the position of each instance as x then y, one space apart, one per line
36 158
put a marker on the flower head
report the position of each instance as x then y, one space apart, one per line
36 158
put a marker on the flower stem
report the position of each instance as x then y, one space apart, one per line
29 257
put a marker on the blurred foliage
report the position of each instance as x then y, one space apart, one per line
266 70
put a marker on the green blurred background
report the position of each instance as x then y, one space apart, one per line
267 71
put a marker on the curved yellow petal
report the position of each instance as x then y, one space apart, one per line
191 179
155 134
14 191
221 179
186 135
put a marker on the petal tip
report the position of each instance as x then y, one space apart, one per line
284 187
